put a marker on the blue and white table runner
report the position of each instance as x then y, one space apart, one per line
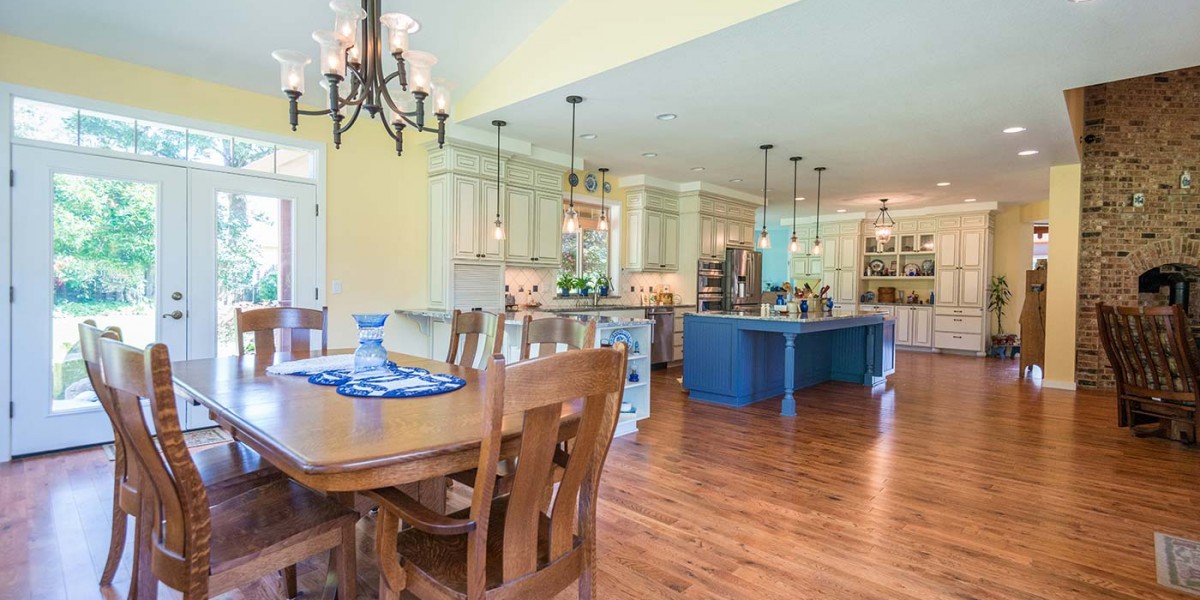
392 381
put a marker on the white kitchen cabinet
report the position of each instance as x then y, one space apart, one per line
670 242
708 246
547 229
464 196
840 266
519 223
903 326
914 325
963 270
733 234
653 241
747 237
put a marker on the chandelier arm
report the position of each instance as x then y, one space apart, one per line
353 118
386 97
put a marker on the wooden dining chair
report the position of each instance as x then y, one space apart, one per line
226 469
1154 360
474 331
294 325
507 547
185 540
547 334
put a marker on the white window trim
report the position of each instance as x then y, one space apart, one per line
9 90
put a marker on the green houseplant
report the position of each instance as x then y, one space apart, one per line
603 282
584 285
999 296
566 281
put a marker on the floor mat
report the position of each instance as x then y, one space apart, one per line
199 437
1178 562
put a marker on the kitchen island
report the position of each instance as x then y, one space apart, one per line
737 358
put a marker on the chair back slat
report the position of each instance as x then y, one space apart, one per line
546 335
181 527
89 349
1151 351
293 324
480 335
535 390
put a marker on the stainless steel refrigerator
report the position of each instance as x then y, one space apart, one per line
743 279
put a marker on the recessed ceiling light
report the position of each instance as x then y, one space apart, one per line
697 168
666 117
1014 130
649 154
1027 153
735 180
1078 1
588 136
969 199
943 183
841 210
800 199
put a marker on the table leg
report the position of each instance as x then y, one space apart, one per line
789 375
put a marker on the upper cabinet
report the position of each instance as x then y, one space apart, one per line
716 221
652 229
464 202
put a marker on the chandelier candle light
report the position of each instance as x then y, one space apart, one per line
764 239
884 225
603 211
571 216
346 55
816 245
498 233
794 247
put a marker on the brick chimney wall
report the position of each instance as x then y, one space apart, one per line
1150 133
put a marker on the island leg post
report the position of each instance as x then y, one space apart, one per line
789 375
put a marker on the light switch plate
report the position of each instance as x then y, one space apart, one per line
337 286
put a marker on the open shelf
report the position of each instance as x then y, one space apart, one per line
633 385
899 277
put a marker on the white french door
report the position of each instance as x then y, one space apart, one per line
93 237
166 253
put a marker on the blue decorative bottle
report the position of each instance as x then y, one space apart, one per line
804 306
829 305
371 354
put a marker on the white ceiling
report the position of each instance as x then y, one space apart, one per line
893 97
230 41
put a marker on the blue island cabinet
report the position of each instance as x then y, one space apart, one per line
738 358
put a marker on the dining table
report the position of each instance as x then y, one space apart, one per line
340 444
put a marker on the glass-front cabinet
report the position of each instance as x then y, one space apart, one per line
872 246
917 243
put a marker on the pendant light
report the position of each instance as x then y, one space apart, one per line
884 225
498 232
794 247
603 211
764 238
571 216
815 250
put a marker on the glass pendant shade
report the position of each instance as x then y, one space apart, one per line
291 69
333 53
815 250
603 222
764 239
883 233
794 246
398 27
420 70
346 15
570 220
498 232
884 225
441 96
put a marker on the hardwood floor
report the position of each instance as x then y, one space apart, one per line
953 481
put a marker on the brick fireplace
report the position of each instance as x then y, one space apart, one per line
1147 132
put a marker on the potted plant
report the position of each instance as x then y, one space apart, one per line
565 282
584 284
603 282
998 297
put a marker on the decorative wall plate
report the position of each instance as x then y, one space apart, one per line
876 267
590 183
621 335
912 270
927 267
607 187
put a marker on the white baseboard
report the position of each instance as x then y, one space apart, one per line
1058 385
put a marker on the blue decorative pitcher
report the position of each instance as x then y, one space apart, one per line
371 354
804 306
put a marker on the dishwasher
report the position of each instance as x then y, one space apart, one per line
662 346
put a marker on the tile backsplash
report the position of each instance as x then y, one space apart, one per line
521 280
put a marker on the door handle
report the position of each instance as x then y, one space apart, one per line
176 314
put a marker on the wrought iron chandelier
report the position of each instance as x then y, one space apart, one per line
347 57
884 225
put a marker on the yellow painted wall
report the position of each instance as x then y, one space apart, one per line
1062 287
540 65
377 219
1012 255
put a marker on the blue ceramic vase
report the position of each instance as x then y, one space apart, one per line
370 354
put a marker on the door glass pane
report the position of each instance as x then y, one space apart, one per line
255 254
104 269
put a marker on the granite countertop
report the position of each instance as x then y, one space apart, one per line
604 307
895 304
601 321
810 317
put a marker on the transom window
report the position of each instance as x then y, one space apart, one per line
59 124
586 252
